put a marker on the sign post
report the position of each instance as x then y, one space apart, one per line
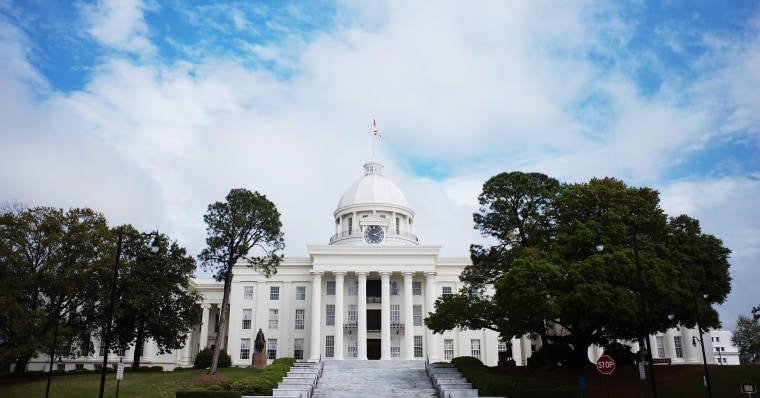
606 365
119 375
748 387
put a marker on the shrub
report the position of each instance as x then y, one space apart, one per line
208 394
203 359
286 360
621 353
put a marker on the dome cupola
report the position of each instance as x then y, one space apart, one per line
373 210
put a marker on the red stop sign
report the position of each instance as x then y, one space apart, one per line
605 365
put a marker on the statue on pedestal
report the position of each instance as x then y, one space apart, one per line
259 354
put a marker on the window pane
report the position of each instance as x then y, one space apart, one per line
475 348
329 346
272 349
298 349
300 293
417 288
300 319
448 349
247 315
417 314
394 288
330 315
330 288
245 348
274 293
418 346
273 318
446 290
248 293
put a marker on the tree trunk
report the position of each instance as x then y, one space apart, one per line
222 321
138 350
21 364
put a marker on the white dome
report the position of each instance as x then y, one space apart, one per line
373 189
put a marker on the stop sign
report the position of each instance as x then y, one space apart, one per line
605 365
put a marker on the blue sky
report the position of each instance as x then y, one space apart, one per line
148 111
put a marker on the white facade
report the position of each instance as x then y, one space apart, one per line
362 296
724 351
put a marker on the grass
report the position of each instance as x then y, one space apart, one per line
673 381
134 385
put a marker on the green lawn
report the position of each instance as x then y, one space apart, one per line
674 381
134 385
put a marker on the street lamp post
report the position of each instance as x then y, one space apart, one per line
153 248
642 295
702 343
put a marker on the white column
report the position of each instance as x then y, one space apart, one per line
526 349
361 349
204 326
339 314
408 316
148 350
316 315
430 290
185 356
385 315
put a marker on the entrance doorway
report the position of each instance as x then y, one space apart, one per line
373 348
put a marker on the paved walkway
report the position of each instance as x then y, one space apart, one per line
358 379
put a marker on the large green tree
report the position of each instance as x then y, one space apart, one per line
549 280
246 226
52 266
747 335
153 300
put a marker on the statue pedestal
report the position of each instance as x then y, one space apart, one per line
259 360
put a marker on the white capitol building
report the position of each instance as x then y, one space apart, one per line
363 296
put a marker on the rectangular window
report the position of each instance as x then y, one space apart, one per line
274 315
398 226
394 288
245 348
475 348
300 293
353 288
330 288
679 346
395 314
474 292
247 316
330 315
248 293
274 293
216 324
502 347
417 314
300 319
395 347
446 290
352 318
102 350
298 349
660 347
448 349
351 342
417 288
418 346
350 225
272 349
329 346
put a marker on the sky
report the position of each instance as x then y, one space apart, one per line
148 111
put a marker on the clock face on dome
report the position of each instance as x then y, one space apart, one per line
374 234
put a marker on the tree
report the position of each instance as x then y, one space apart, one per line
51 268
153 299
550 281
747 335
246 221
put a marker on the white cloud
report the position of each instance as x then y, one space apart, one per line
481 88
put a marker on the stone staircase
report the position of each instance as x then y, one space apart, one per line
374 379
356 379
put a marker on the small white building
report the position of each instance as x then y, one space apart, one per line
724 351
